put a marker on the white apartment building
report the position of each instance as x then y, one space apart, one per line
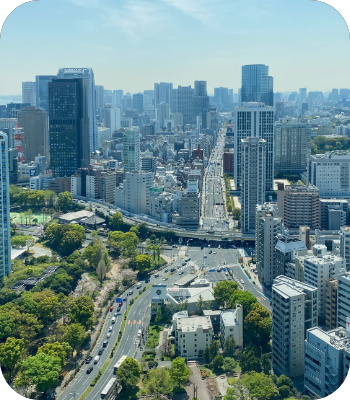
91 186
134 193
192 336
75 185
268 226
36 182
231 324
112 117
343 299
294 310
131 150
330 172
5 238
345 245
326 363
253 159
317 269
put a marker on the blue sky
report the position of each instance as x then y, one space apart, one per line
130 44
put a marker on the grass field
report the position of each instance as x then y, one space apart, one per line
15 218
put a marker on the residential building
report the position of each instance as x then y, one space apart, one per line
231 324
325 354
286 250
148 163
331 292
34 122
192 336
107 186
330 172
345 245
294 311
131 150
292 145
267 227
68 126
254 119
5 221
88 75
299 205
252 180
257 85
42 91
333 213
29 93
343 299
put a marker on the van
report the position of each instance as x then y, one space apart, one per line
96 359
113 320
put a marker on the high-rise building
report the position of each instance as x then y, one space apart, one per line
14 108
163 92
29 93
5 237
292 145
131 150
137 102
183 103
200 99
148 97
100 101
221 98
303 95
294 310
117 98
268 226
112 117
257 85
343 300
333 213
253 180
228 161
254 119
42 91
335 95
34 122
68 126
163 113
88 75
331 290
345 245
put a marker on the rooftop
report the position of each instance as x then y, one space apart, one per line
337 338
193 323
229 317
76 215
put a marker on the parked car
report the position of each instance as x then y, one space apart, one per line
88 359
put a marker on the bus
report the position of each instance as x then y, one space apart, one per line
109 389
119 363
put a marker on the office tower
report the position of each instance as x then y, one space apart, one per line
292 145
200 98
107 186
163 92
42 91
268 226
183 103
14 108
221 97
254 119
163 113
117 97
294 310
148 97
257 85
299 205
333 213
345 245
29 93
344 94
68 126
228 161
137 102
148 163
34 122
331 291
279 110
112 117
5 238
99 93
253 180
133 194
330 172
303 95
335 95
131 150
88 75
230 93
343 300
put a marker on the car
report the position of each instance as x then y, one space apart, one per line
125 299
166 270
88 359
205 257
109 335
165 279
156 275
214 252
242 281
181 272
118 309
183 264
172 269
110 328
218 269
105 343
116 314
113 320
100 351
130 292
147 280
226 273
88 371
209 251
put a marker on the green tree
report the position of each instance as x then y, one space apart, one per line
129 374
71 241
206 355
62 283
42 370
6 326
218 363
259 385
19 240
245 299
200 305
117 220
26 325
143 262
284 380
82 311
266 364
48 309
229 364
214 349
179 372
229 346
101 271
65 201
223 292
55 349
107 260
284 392
237 392
159 382
75 335
248 360
11 353
257 325
158 317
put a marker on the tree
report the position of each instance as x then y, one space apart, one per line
200 305
107 260
11 353
101 271
129 374
218 363
158 317
6 326
62 283
117 220
206 355
56 350
19 240
258 324
284 380
48 309
159 382
179 372
248 360
42 370
229 346
238 391
229 364
223 292
284 392
143 262
245 299
71 241
65 201
142 228
266 364
82 311
75 335
259 385
214 349
26 325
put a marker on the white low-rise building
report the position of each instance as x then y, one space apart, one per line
231 324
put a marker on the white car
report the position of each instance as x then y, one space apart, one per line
214 252
108 335
110 329
242 281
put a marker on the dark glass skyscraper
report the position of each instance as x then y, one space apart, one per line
200 99
42 90
68 126
257 85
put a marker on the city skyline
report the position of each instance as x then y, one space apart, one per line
156 41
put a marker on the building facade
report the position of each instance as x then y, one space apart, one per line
343 299
257 85
29 93
131 150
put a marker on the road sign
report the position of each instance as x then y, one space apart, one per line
118 300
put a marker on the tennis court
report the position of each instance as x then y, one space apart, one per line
17 219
